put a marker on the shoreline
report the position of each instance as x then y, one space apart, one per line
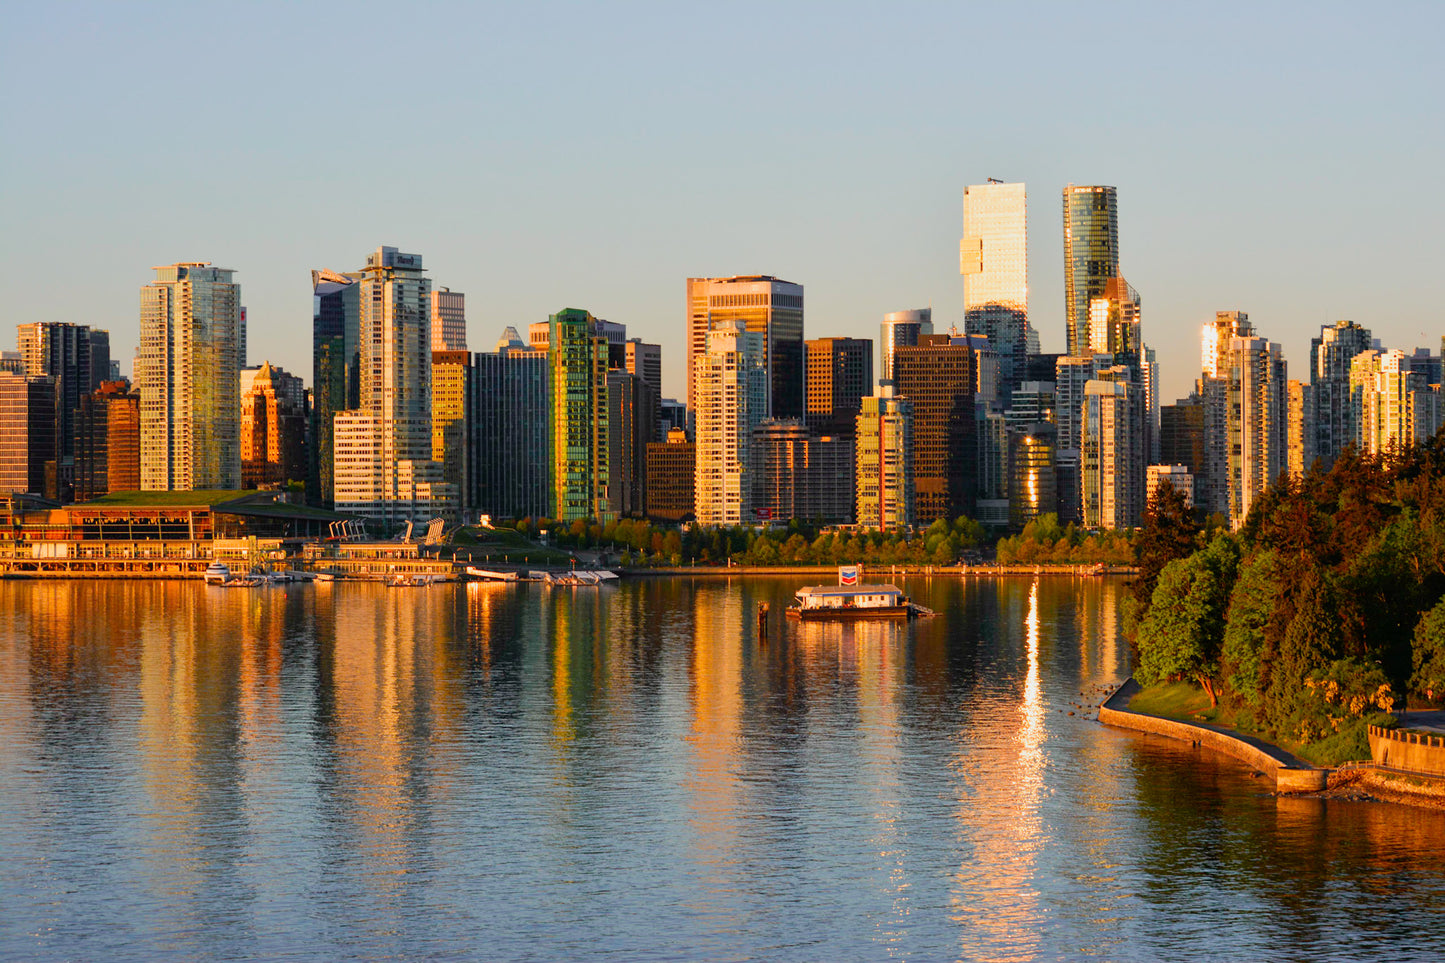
1355 781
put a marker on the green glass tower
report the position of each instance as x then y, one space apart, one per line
578 355
1091 255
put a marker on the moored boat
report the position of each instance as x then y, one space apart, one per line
217 573
848 603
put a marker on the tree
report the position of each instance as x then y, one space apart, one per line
1181 636
1252 605
1428 653
1169 532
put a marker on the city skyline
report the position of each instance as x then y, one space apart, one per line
1300 226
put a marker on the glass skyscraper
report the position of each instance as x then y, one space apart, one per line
1091 255
993 259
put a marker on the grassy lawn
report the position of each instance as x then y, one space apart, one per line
1187 702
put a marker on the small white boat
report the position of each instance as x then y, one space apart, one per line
490 576
217 573
244 581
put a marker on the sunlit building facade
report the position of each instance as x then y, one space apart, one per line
1246 415
671 477
1176 475
1091 255
451 406
1300 437
993 259
76 358
107 444
1331 356
1032 475
884 456
188 377
901 329
769 307
577 353
273 427
27 432
448 320
1112 459
730 383
939 376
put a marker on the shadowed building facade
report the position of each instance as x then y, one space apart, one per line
939 377
107 445
769 307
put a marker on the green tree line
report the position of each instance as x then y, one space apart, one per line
1322 613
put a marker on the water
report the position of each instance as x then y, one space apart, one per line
516 772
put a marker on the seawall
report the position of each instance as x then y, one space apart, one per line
1403 749
1290 774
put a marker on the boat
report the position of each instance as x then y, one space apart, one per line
243 581
574 577
405 580
490 576
217 573
849 603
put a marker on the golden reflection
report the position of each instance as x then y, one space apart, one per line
716 703
996 899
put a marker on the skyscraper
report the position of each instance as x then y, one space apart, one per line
512 431
1091 255
632 406
1114 322
336 371
730 391
386 472
885 461
768 306
840 374
1383 394
993 259
578 357
448 320
107 445
273 427
76 359
451 388
1330 357
900 329
188 378
671 477
1246 416
27 431
1032 473
939 376
1112 460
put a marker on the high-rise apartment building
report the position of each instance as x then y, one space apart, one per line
901 329
188 378
1033 402
1091 255
730 383
1176 475
273 427
840 374
884 457
993 259
335 371
801 474
1181 436
1212 484
939 376
671 477
448 320
578 356
1299 428
1331 355
1382 396
107 444
1112 458
386 472
76 359
769 307
27 432
451 405
1245 426
512 432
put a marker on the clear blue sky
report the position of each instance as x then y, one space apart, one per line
1283 159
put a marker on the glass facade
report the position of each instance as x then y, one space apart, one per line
1091 255
769 307
578 357
994 262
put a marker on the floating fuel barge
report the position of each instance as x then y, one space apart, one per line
850 600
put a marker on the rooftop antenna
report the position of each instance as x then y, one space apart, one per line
994 180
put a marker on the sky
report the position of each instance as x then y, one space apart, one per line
1281 159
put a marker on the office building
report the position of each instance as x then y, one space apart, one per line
451 405
273 428
730 382
632 406
511 425
1032 473
76 359
448 320
335 371
801 474
645 361
901 329
993 259
1331 355
991 507
939 377
671 478
839 375
107 443
188 378
27 432
1176 475
771 308
577 352
1033 402
1181 435
884 458
1114 322
1091 255
673 414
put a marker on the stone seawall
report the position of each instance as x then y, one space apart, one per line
1402 749
1290 775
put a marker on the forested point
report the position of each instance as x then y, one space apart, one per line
1320 616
